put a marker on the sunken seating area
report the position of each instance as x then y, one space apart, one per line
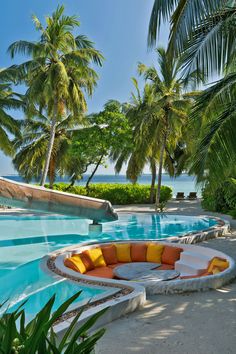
197 268
101 261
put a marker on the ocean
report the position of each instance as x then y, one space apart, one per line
183 183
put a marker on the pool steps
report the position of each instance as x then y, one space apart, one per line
191 263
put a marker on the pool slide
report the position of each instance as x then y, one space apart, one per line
31 197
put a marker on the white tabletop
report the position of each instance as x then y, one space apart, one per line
133 270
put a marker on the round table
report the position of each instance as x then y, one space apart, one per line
157 275
130 271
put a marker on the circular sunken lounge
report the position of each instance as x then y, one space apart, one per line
160 267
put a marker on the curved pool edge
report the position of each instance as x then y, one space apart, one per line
218 230
117 306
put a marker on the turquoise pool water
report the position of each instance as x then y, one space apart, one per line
25 239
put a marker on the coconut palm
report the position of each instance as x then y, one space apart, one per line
137 151
31 146
58 72
214 112
172 108
202 30
8 125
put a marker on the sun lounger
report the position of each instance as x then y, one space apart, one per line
180 195
192 195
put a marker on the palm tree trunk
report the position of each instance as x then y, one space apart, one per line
93 173
52 168
154 175
158 192
49 151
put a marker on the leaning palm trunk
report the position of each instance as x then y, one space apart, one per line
154 175
93 173
51 171
49 151
158 192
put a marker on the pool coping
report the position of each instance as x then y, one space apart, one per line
118 304
111 291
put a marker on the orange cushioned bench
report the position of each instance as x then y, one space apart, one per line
100 261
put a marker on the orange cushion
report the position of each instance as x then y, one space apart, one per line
123 252
75 263
87 261
96 257
166 267
112 266
138 252
171 254
102 272
154 252
109 254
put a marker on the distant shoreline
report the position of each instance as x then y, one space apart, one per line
183 183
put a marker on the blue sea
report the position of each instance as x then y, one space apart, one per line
183 183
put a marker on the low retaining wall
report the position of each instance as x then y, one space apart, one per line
132 296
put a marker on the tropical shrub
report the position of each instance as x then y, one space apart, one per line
221 198
38 336
119 194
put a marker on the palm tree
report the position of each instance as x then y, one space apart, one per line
31 146
8 125
215 149
207 41
58 73
202 30
172 107
138 150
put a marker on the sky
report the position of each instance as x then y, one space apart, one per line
117 27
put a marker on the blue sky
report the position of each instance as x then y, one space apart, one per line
118 28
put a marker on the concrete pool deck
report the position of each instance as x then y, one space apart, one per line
191 323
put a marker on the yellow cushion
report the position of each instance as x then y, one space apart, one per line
97 257
219 263
75 263
123 252
215 270
154 252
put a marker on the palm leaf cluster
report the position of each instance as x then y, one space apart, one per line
215 154
8 125
202 30
31 146
202 33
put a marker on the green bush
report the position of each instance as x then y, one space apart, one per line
119 194
221 198
214 199
38 336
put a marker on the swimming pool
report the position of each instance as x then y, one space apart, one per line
25 239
